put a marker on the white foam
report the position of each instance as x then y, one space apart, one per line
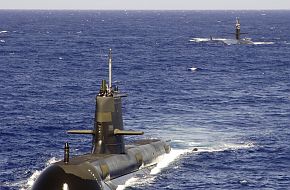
2 41
130 182
243 181
192 69
194 144
209 40
27 184
199 39
164 161
136 181
51 161
32 179
177 153
4 31
167 159
220 39
226 146
263 43
178 141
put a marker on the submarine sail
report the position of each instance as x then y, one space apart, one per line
110 162
238 29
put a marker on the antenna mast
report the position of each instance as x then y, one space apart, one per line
238 29
110 70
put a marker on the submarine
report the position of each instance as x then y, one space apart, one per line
110 162
236 40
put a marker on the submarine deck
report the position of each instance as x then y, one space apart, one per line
89 157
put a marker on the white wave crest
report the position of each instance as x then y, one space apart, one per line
263 43
176 154
130 182
164 161
51 161
216 40
27 184
199 40
31 180
192 69
168 158
226 146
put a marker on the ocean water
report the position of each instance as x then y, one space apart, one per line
235 107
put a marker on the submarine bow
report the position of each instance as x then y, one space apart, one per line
76 177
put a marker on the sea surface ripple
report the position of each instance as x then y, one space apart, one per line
234 107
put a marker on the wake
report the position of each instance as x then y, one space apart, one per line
165 161
225 41
177 154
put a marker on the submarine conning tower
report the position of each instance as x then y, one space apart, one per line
238 29
108 133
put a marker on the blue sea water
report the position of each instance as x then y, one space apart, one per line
235 108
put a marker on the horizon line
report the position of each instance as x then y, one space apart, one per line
72 9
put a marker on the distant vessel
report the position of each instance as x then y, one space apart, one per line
110 162
237 40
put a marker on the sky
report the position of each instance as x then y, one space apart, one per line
146 4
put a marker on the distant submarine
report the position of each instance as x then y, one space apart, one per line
236 40
110 162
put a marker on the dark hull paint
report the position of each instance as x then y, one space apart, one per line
102 171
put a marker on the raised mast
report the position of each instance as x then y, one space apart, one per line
238 29
110 71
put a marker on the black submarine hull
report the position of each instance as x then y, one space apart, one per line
110 162
102 171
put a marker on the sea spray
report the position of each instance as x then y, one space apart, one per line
26 185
